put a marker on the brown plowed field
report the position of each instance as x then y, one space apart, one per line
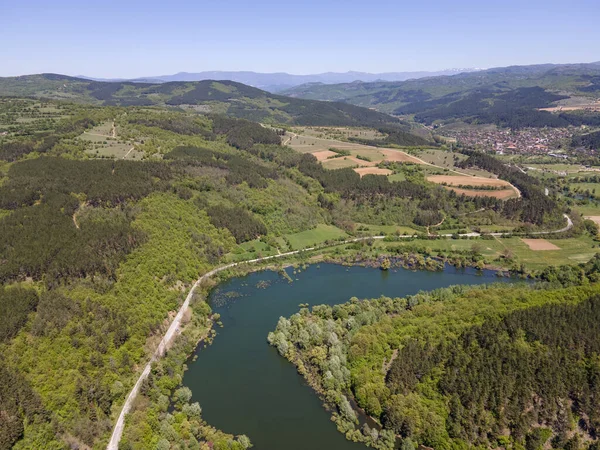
372 170
323 155
540 244
397 155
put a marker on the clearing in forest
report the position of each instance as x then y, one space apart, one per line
540 244
469 186
372 170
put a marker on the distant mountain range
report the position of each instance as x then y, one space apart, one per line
440 93
276 82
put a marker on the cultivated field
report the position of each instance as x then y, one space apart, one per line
540 244
364 159
503 190
340 133
372 171
316 145
571 251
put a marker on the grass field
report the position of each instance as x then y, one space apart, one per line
317 145
453 180
340 133
593 188
339 163
316 236
572 251
104 145
588 210
449 160
397 177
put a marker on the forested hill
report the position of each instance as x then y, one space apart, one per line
228 97
509 96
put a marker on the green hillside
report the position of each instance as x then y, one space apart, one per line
507 96
226 97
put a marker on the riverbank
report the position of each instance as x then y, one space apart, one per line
328 253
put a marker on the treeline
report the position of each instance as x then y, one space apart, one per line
534 206
241 223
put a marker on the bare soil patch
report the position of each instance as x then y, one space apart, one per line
399 156
457 180
594 218
540 244
324 154
372 171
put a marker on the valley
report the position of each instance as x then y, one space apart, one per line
137 219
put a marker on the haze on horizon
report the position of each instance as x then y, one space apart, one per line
134 39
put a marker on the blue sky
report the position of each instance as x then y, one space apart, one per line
134 38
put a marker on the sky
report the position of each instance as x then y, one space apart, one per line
127 39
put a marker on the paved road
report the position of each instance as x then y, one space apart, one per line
174 328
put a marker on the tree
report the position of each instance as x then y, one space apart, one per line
385 264
182 396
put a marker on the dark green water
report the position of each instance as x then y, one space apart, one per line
245 387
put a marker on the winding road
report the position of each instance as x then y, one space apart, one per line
174 328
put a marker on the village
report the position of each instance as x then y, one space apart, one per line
529 141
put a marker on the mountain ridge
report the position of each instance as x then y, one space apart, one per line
225 97
278 81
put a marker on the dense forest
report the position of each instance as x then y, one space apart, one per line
236 99
534 206
462 367
489 96
96 250
518 108
590 140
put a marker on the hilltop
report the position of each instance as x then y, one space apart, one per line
226 97
276 82
491 96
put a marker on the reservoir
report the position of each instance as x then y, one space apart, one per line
245 387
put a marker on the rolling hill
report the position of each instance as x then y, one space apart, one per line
227 97
276 82
489 96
